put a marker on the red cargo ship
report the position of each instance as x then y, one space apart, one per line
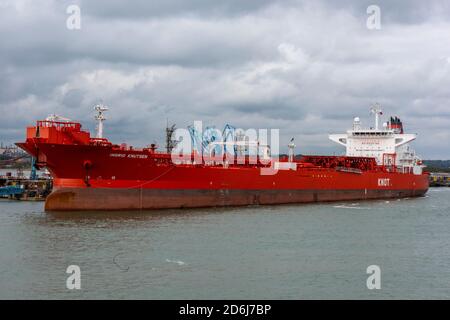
95 174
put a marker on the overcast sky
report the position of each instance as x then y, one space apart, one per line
305 67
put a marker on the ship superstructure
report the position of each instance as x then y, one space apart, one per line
388 144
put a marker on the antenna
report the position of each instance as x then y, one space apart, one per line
100 117
170 143
376 110
291 147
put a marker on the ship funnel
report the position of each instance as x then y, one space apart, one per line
100 117
396 125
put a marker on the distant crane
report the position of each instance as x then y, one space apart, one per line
170 143
33 173
229 136
212 140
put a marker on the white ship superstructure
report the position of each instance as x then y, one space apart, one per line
389 145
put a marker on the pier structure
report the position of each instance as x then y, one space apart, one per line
439 179
16 188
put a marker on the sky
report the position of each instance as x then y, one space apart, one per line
304 67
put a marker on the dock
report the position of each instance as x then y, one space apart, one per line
439 179
15 185
15 188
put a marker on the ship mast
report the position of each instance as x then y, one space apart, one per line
376 110
291 147
100 117
170 143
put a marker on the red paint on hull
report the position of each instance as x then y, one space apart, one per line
68 199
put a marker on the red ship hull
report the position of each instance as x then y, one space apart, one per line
67 199
95 175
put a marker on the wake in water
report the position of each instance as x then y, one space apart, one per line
178 262
351 207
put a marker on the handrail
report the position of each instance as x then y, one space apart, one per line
58 124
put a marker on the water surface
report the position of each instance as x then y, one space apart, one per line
313 251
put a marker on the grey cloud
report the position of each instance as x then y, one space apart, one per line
306 67
73 98
162 8
399 11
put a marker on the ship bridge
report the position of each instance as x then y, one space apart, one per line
389 145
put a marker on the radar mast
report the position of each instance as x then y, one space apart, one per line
100 117
376 110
